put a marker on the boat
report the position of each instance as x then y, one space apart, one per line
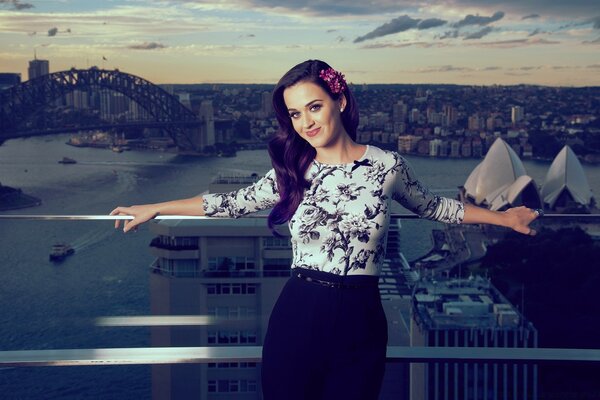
60 251
67 160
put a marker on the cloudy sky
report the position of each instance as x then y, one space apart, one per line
483 42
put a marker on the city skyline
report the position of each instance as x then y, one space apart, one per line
552 43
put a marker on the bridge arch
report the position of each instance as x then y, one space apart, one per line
18 102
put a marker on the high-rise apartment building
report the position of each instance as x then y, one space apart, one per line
234 270
450 115
399 112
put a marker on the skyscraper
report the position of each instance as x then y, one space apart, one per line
207 132
517 113
38 68
266 103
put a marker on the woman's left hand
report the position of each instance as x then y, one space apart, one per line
520 217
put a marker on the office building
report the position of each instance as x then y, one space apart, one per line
469 313
9 79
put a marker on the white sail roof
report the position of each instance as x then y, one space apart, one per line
498 170
566 173
507 196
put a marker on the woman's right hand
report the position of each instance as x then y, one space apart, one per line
141 214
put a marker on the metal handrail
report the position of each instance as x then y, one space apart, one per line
161 217
178 355
194 355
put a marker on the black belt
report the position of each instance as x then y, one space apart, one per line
338 285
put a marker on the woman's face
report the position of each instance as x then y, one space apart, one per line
314 114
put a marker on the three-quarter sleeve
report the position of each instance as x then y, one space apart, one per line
261 195
413 195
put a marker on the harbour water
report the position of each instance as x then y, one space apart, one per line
48 306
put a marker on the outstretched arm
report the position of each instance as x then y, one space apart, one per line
145 212
517 218
415 196
261 195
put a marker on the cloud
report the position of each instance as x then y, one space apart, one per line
400 45
561 67
535 32
479 20
147 46
595 41
507 44
449 34
400 24
431 23
596 22
479 34
54 31
555 8
442 68
531 16
17 5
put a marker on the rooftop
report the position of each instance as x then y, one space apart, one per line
463 304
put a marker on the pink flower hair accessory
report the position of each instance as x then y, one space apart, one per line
335 80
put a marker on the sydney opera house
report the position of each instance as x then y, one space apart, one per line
500 182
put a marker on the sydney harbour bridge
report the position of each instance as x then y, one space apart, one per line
19 103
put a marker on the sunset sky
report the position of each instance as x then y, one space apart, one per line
484 42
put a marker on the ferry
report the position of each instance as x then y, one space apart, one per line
60 251
67 160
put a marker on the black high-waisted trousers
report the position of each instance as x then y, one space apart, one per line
324 342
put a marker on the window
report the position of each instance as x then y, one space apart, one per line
231 288
212 386
232 312
186 268
232 365
277 266
232 337
236 288
235 263
212 337
231 386
279 243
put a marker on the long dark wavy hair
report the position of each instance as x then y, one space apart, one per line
291 155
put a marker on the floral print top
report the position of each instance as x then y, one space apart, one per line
342 222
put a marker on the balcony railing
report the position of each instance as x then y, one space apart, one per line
193 355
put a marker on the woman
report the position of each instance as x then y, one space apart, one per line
327 333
